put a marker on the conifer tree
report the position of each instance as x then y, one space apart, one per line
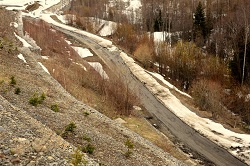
199 22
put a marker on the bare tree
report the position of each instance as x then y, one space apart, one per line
246 28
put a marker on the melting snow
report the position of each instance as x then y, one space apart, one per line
25 44
98 67
45 57
79 64
82 52
237 144
44 68
214 131
14 24
99 40
69 42
134 5
20 56
160 77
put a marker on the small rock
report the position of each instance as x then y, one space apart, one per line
53 164
1 128
6 152
15 161
120 120
1 107
50 158
32 163
40 153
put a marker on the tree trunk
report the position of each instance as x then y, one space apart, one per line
245 45
245 53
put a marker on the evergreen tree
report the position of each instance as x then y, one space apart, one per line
199 23
158 23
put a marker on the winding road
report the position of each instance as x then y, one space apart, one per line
168 121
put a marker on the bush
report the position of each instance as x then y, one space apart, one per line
70 127
35 99
129 144
88 149
42 98
86 138
208 96
145 55
54 108
12 81
77 158
17 91
85 113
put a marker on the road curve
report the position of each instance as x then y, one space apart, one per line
169 121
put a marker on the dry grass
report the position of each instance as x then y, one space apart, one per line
112 95
146 130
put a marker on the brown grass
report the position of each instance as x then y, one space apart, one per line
145 129
112 95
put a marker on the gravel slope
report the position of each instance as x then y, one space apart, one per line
107 136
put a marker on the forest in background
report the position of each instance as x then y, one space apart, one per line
206 51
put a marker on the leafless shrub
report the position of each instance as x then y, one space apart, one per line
207 95
214 69
52 42
239 102
145 55
114 93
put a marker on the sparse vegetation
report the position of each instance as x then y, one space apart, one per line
85 113
89 148
129 144
54 108
12 81
68 130
70 127
17 91
77 158
36 99
86 138
97 89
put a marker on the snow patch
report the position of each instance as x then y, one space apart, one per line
45 57
235 143
14 24
84 68
99 40
69 42
82 52
20 56
25 43
134 5
98 67
44 68
161 78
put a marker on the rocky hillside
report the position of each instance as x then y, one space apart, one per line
42 124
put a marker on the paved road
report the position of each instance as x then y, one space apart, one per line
169 122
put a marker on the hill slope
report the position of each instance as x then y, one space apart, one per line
92 128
